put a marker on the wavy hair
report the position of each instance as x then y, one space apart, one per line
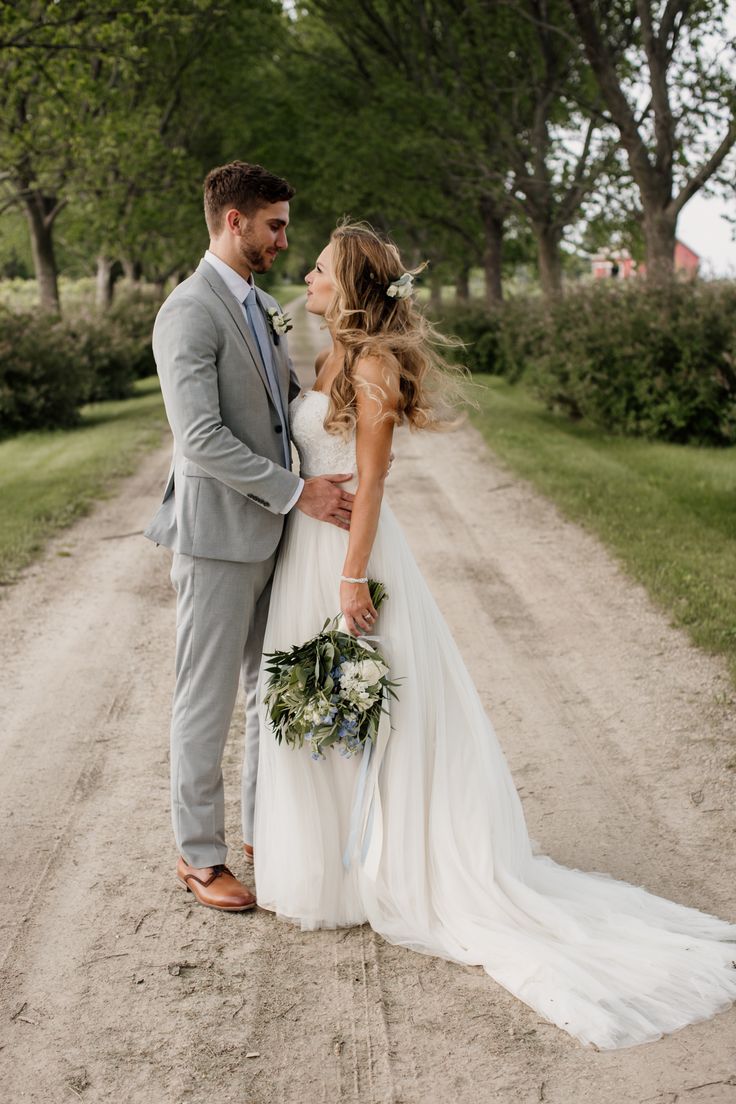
368 322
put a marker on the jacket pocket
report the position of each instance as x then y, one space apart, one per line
188 467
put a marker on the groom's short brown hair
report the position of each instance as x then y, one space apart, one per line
246 187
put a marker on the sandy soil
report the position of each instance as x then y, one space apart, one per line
114 987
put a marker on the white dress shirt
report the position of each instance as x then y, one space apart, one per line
240 288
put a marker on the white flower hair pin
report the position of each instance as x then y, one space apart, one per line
280 323
401 288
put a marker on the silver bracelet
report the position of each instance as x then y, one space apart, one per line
347 579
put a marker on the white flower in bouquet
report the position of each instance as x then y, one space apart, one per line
372 671
362 700
350 674
351 680
314 712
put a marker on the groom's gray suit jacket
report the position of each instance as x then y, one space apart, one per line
227 485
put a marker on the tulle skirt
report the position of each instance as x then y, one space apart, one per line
458 875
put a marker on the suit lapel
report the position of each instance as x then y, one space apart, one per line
235 311
280 359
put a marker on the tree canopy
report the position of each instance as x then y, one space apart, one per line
474 132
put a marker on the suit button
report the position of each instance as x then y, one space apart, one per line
279 429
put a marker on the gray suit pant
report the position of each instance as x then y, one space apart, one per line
221 611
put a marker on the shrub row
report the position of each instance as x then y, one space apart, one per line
49 367
630 358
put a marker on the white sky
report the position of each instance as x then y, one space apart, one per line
702 227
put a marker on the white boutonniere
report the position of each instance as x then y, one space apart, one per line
280 323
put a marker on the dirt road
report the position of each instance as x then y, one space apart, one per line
114 988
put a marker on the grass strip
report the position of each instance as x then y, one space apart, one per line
48 479
667 512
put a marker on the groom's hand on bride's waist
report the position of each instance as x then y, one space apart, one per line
323 498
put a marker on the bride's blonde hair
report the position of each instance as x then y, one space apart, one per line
366 321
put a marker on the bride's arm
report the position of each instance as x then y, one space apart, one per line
376 396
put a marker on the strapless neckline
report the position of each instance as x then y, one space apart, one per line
320 452
309 391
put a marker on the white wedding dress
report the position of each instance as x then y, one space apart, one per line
458 877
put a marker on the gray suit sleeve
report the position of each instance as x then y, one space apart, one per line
185 347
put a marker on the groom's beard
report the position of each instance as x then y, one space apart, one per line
258 258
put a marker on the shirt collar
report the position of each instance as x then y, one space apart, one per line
239 287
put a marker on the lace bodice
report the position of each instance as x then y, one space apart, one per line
320 452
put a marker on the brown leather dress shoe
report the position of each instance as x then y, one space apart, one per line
221 890
248 852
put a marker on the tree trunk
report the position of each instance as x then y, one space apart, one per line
659 237
40 213
131 270
549 261
462 285
159 286
492 251
435 289
105 282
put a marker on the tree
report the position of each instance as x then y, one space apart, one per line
45 51
552 133
672 97
102 117
504 90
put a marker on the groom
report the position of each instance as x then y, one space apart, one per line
226 380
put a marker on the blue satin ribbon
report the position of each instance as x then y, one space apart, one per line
357 810
368 831
356 813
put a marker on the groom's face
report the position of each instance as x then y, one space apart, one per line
263 236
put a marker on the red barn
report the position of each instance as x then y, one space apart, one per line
686 259
620 263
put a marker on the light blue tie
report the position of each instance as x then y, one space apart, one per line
257 324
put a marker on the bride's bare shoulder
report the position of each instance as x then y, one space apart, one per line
379 374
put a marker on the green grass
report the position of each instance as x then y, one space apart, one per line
667 512
79 294
49 479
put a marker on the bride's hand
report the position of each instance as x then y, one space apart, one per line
357 609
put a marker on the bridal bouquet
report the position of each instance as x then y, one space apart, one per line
331 690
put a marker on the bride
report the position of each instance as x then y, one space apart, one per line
453 871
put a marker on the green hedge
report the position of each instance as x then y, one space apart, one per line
43 380
49 367
132 314
634 359
503 342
